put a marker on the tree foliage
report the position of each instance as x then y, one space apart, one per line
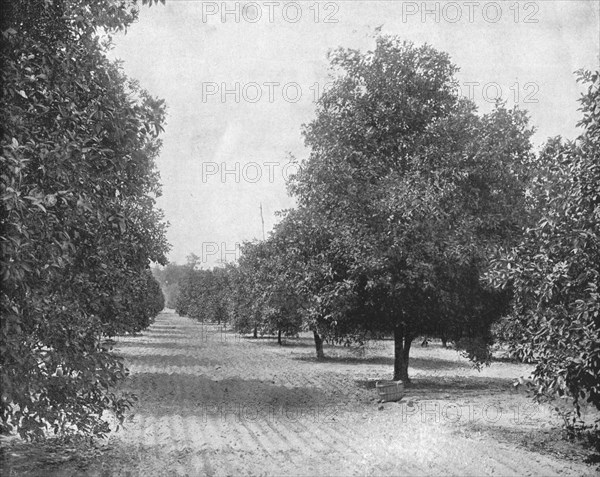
555 270
314 271
416 188
204 294
250 295
79 225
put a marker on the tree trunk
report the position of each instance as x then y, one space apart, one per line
279 337
402 342
318 345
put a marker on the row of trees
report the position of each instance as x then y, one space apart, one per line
236 296
79 224
417 215
203 294
404 194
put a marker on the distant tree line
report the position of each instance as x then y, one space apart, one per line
168 277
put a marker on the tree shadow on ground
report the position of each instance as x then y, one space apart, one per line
177 347
158 360
197 334
154 332
156 327
189 394
431 387
271 341
544 441
158 336
415 363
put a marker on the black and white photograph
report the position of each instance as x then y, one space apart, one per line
300 238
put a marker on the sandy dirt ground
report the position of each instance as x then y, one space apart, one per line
213 403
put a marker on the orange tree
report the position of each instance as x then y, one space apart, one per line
296 279
416 188
555 270
261 298
314 272
203 295
78 214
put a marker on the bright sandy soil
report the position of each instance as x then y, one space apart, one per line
213 403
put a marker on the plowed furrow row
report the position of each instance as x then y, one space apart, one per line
315 433
260 446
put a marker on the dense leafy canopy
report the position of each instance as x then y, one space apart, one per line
555 270
416 188
79 225
203 295
250 295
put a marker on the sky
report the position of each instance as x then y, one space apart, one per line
240 79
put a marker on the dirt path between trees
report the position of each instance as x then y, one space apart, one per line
212 403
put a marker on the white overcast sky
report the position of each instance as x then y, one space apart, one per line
240 78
